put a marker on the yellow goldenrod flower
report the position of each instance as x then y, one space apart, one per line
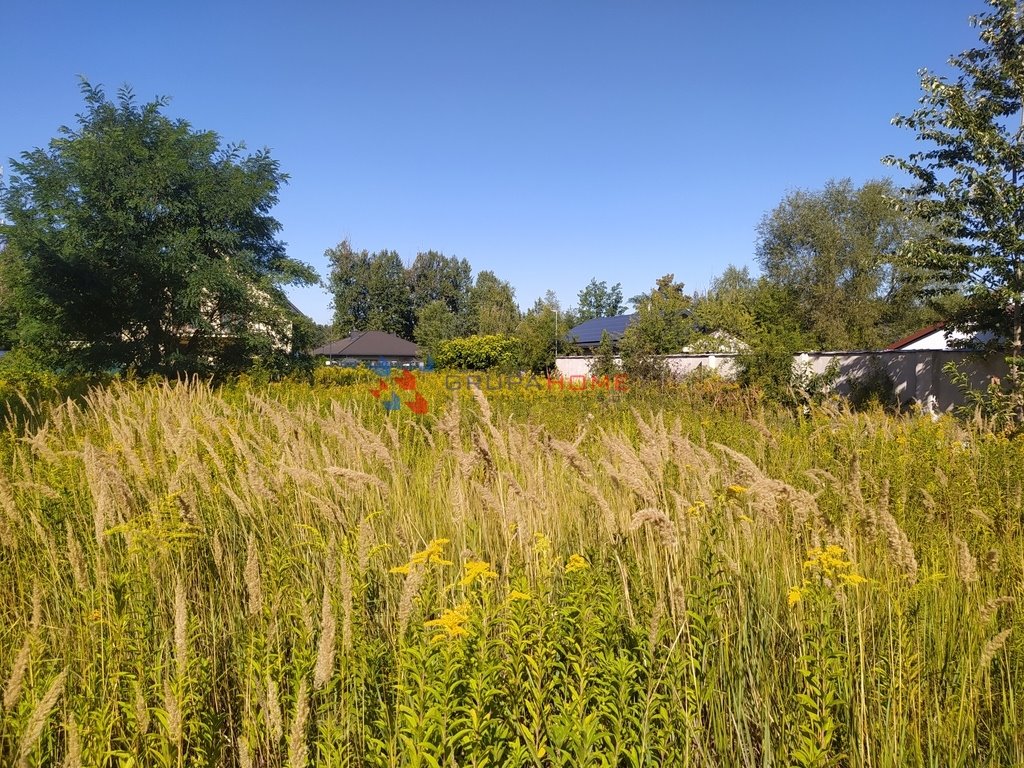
735 491
516 595
452 621
795 596
576 563
477 569
696 508
430 555
831 563
541 543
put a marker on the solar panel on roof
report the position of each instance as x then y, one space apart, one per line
590 331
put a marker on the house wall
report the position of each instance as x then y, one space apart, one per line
917 374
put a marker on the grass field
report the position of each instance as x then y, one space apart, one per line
288 576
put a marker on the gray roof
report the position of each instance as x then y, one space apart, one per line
589 333
369 344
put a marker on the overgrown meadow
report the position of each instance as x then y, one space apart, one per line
287 575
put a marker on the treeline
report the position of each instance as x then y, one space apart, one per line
831 278
436 299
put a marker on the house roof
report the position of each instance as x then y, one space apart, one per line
916 336
369 344
589 333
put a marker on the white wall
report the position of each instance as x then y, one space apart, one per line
917 374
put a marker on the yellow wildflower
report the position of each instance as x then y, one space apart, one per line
541 543
696 508
795 596
515 595
477 569
735 491
576 563
430 555
852 579
828 561
452 621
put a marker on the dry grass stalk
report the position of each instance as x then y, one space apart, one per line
325 648
75 557
38 719
967 566
275 720
410 588
253 582
12 689
180 630
345 584
141 710
900 548
297 746
353 476
244 753
991 608
657 520
992 647
73 758
175 726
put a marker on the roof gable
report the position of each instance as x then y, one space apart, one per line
369 344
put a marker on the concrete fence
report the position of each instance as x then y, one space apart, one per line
917 375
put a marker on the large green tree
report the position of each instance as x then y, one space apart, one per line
435 324
492 306
541 333
598 300
348 283
663 326
969 183
436 277
390 304
135 241
370 291
835 251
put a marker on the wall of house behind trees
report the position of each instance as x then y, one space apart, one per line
916 374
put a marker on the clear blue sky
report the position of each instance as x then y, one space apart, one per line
548 140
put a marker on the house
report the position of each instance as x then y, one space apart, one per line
370 347
587 335
936 336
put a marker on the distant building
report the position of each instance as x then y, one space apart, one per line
936 336
370 347
587 335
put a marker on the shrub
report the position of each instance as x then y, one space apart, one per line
478 353
874 388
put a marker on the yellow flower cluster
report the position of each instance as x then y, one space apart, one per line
515 595
830 563
576 563
477 570
431 555
796 594
825 563
452 621
735 491
541 543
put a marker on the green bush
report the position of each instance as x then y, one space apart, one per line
874 388
478 353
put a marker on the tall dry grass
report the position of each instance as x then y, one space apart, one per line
287 577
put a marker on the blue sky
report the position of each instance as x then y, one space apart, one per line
550 141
